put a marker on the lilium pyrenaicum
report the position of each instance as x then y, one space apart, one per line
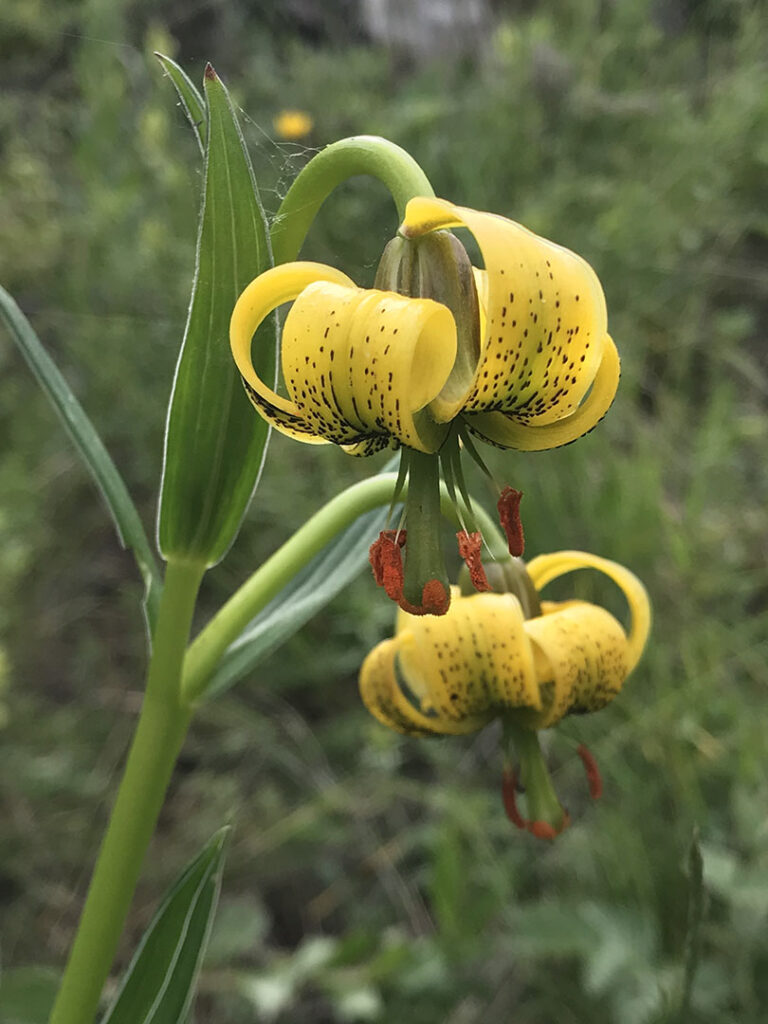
518 356
484 659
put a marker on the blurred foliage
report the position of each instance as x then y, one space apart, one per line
373 878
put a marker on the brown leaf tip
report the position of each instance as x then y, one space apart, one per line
209 74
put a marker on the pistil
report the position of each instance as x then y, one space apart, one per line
546 817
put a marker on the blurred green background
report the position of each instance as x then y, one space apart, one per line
373 878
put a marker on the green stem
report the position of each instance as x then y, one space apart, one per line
540 795
362 154
160 731
206 650
424 558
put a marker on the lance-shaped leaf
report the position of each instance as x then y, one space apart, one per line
159 984
315 586
90 447
191 100
214 445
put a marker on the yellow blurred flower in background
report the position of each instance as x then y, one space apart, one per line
292 124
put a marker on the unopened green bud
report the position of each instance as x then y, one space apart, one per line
507 576
436 266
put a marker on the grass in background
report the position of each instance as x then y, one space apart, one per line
371 877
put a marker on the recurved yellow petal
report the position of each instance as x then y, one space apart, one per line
546 568
264 294
460 669
359 363
507 431
453 673
583 662
360 367
545 321
382 694
471 660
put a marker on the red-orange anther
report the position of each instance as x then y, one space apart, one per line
435 600
508 795
539 829
593 772
387 564
470 546
509 515
542 829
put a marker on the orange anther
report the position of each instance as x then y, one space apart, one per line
470 546
593 772
509 516
508 786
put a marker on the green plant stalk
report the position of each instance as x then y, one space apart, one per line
160 731
424 558
165 717
206 650
541 798
361 154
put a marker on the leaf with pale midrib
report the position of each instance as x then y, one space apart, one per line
159 984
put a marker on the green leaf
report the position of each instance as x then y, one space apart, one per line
215 443
191 100
549 928
159 984
460 909
318 583
91 448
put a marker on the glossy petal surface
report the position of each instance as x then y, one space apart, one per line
360 366
453 674
546 568
544 331
582 659
507 432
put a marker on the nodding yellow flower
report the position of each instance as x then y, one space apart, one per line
292 124
516 353
484 659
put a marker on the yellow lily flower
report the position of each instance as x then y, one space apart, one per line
516 353
484 660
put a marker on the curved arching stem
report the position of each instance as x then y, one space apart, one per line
360 154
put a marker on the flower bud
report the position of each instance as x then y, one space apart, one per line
436 266
507 576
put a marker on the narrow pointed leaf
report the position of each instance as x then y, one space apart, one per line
159 984
315 586
191 100
89 445
214 445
